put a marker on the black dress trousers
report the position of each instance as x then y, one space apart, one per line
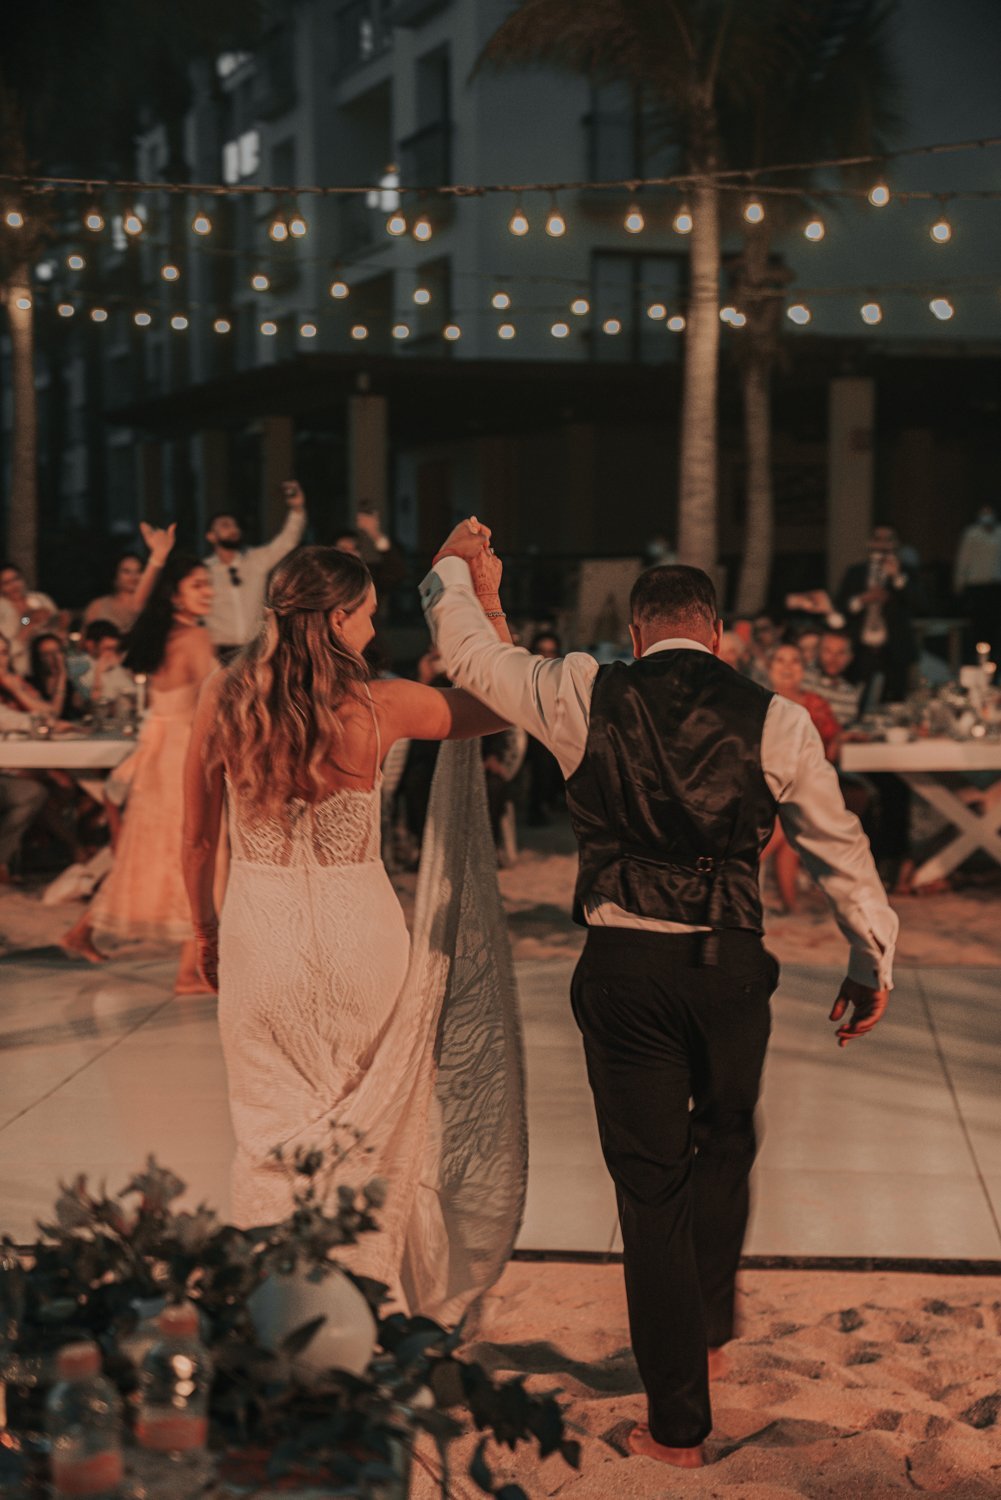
675 1047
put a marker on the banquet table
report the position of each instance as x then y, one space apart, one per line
87 757
923 764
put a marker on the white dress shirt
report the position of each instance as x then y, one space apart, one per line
10 626
978 560
235 616
552 699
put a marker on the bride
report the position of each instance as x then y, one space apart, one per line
330 1014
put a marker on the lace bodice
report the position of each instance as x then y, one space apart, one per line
342 828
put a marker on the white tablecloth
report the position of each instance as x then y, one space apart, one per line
86 753
923 755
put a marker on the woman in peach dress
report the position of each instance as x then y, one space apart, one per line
143 898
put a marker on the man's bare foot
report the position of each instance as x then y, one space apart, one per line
642 1442
719 1364
78 945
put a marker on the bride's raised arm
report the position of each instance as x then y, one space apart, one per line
204 792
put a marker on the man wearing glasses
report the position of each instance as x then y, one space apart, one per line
238 577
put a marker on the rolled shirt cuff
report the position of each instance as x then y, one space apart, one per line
866 968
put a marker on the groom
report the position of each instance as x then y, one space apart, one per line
676 768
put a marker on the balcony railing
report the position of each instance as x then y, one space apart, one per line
364 31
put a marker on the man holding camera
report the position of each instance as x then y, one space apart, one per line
876 598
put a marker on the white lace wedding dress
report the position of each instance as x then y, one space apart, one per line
329 1012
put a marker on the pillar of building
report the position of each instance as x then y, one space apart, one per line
212 467
850 470
277 446
150 464
368 452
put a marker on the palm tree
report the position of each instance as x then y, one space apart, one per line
692 63
837 98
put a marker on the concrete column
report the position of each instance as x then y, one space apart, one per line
368 452
276 466
850 458
151 481
212 466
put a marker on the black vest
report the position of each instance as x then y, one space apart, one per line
670 805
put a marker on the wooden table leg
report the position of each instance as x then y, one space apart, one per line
976 831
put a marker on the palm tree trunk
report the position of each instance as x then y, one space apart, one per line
22 517
759 528
697 489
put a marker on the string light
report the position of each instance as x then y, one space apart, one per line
941 231
799 313
170 273
518 222
452 331
93 220
269 328
501 301
307 330
879 195
222 325
24 303
201 223
401 331
75 262
683 222
14 218
179 322
727 314
339 290
676 324
132 224
506 331
142 320
556 225
359 332
278 229
66 309
634 222
422 296
297 226
738 320
754 211
560 330
260 282
98 315
611 326
656 311
396 224
423 228
871 313
815 230
580 307
942 308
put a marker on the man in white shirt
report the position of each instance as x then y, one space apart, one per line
676 768
977 579
239 576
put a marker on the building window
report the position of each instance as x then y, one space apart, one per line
625 138
625 289
242 157
364 31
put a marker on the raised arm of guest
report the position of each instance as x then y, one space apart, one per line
292 530
160 541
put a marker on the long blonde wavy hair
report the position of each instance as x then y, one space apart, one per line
279 721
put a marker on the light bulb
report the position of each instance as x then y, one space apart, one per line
396 224
98 315
359 332
401 331
339 290
24 303
580 307
506 331
676 324
682 221
556 225
14 218
727 314
942 308
93 220
142 320
738 320
260 282
611 325
941 231
131 223
170 273
518 223
422 296
297 227
222 325
423 229
500 300
634 222
307 330
560 330
75 262
452 331
179 322
66 309
871 312
278 229
656 311
269 328
754 211
879 195
798 313
201 224
815 230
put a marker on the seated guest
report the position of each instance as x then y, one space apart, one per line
23 611
828 677
21 800
49 677
807 638
105 678
764 639
16 692
20 703
734 651
120 605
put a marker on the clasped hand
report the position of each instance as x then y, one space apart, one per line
470 540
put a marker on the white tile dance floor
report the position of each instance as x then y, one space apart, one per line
889 1148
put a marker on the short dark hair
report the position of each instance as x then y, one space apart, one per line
101 630
217 515
346 533
672 593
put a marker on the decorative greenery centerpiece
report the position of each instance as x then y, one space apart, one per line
274 1419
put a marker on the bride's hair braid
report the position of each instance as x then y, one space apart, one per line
278 709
